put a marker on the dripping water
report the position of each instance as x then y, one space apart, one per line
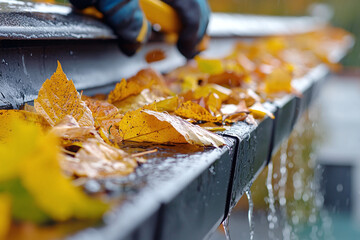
286 231
271 217
250 214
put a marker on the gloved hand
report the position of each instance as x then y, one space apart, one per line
194 16
128 22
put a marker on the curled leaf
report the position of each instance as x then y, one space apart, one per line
69 131
96 159
135 102
157 127
259 111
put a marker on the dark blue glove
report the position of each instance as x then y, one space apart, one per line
194 16
132 28
125 18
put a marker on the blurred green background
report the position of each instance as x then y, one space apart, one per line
346 14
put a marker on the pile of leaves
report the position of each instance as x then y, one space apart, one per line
66 135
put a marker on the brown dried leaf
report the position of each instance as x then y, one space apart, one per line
96 160
155 56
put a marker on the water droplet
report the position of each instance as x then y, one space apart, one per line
250 213
211 170
339 188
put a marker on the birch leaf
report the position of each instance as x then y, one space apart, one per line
58 97
195 111
157 127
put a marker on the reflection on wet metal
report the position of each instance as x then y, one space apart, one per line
225 224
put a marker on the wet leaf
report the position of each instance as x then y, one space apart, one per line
58 97
144 79
213 103
70 132
100 108
96 159
135 102
259 111
150 126
195 111
167 105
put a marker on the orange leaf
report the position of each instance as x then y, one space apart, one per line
100 108
145 78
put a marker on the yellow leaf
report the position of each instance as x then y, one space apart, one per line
96 159
19 143
167 105
205 90
213 103
135 102
5 216
210 66
194 111
150 126
33 157
190 82
41 175
279 80
7 116
259 111
146 78
58 97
